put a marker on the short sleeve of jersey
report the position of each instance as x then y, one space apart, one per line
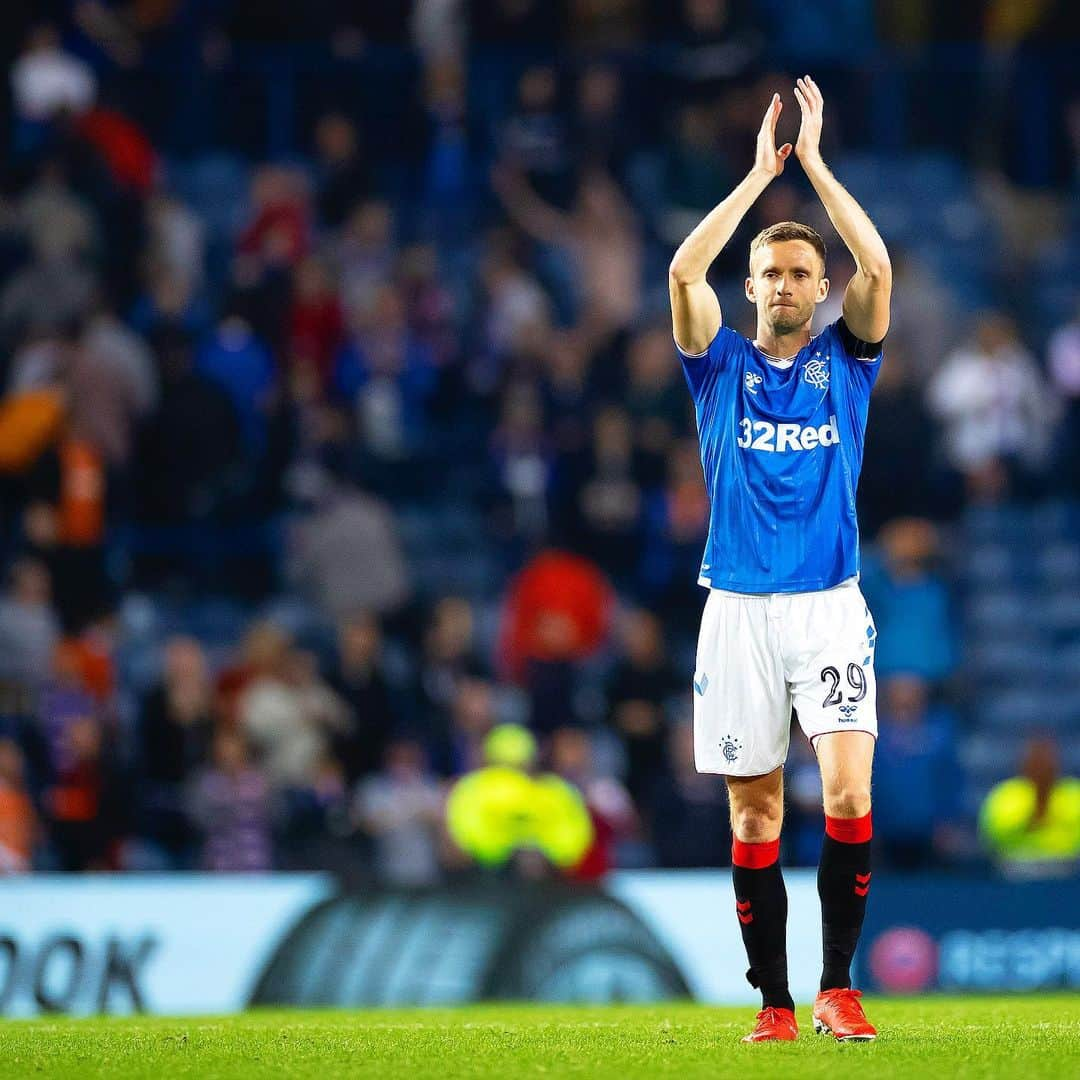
862 359
699 368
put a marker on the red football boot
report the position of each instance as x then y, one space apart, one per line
839 1013
773 1025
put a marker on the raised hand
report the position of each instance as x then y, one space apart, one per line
767 158
812 104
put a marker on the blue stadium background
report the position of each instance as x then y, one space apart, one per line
320 323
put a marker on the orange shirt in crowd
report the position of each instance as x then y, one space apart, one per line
29 423
83 661
18 823
81 513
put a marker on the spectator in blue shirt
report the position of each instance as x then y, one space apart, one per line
910 603
917 779
237 360
387 375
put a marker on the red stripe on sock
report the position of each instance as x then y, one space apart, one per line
850 830
754 856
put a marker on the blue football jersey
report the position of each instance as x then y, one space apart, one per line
781 449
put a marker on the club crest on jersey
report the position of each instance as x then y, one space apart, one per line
730 748
753 381
816 373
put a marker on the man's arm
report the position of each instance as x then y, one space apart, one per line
526 209
866 299
695 311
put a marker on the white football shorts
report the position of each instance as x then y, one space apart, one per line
758 656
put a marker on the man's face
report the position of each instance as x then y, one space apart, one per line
786 280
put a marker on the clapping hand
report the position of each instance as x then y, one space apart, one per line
812 104
768 159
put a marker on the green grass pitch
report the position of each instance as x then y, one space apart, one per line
927 1037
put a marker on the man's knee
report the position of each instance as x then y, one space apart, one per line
757 807
752 826
756 822
847 800
846 759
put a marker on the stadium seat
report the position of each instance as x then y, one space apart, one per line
1058 565
1002 611
1029 710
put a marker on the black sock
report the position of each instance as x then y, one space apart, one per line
843 884
761 905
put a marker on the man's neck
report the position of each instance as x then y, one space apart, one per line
782 346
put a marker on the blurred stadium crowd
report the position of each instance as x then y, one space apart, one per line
341 421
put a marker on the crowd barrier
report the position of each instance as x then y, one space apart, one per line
188 943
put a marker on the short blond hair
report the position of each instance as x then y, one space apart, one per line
789 230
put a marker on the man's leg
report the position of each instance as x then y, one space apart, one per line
742 724
845 759
830 648
757 810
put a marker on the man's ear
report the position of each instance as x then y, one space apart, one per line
749 287
822 291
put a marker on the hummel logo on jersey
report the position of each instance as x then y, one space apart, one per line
753 381
777 438
702 684
816 373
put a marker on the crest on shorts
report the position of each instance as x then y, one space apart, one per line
730 748
816 373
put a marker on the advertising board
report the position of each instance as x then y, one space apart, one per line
188 943
960 935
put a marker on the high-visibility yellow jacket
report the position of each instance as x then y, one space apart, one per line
1005 821
497 810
